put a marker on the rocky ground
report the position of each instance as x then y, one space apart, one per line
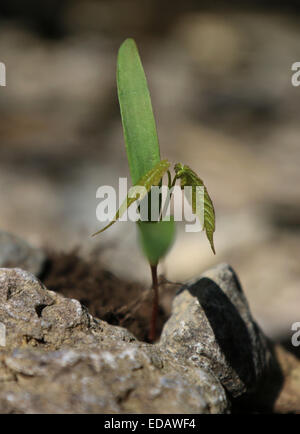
211 356
220 80
221 89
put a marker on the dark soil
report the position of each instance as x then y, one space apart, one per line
106 297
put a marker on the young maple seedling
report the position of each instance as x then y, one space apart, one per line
147 169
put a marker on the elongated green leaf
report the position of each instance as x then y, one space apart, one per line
156 238
152 178
189 178
136 111
140 138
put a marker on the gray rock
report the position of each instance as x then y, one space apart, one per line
202 378
59 359
112 379
211 327
15 252
36 317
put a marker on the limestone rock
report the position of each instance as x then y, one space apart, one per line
59 359
288 397
35 316
112 379
211 327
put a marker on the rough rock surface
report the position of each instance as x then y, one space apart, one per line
288 398
211 327
15 252
115 378
35 316
58 358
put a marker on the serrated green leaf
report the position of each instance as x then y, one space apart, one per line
152 178
189 178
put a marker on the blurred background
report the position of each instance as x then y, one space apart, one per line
220 80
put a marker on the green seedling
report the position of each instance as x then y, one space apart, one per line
147 169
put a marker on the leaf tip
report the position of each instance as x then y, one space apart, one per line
210 237
211 242
128 43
